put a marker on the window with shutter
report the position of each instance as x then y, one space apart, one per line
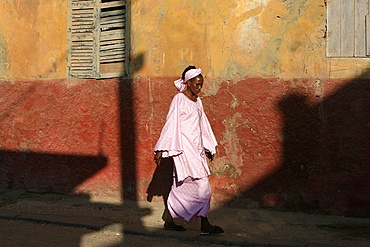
348 28
96 38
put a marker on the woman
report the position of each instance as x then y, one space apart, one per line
188 138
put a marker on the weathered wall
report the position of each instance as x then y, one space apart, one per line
292 125
228 39
33 39
57 135
237 39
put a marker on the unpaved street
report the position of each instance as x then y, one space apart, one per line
22 233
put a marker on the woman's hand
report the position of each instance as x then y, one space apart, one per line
209 155
158 157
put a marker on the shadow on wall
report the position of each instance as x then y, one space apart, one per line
39 171
63 173
128 131
47 172
325 163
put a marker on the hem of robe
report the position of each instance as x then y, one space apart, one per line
189 198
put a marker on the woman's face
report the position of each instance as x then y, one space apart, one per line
195 85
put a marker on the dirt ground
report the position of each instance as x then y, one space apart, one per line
243 227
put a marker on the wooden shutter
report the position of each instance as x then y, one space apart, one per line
346 24
81 38
112 38
361 11
96 43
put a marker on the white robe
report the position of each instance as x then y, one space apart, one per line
186 135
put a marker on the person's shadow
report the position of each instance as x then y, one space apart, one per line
161 183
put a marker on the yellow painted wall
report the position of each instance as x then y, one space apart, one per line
229 39
233 39
33 39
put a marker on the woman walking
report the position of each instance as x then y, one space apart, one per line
187 138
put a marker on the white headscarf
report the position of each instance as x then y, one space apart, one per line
180 83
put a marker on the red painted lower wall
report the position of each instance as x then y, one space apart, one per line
297 144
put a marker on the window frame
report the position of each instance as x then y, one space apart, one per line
97 31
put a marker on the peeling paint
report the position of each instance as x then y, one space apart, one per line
37 32
4 62
225 170
229 40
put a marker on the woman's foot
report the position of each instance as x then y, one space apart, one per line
207 229
170 225
213 230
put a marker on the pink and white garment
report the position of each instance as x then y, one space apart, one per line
186 135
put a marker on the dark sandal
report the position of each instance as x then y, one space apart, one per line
174 227
215 230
